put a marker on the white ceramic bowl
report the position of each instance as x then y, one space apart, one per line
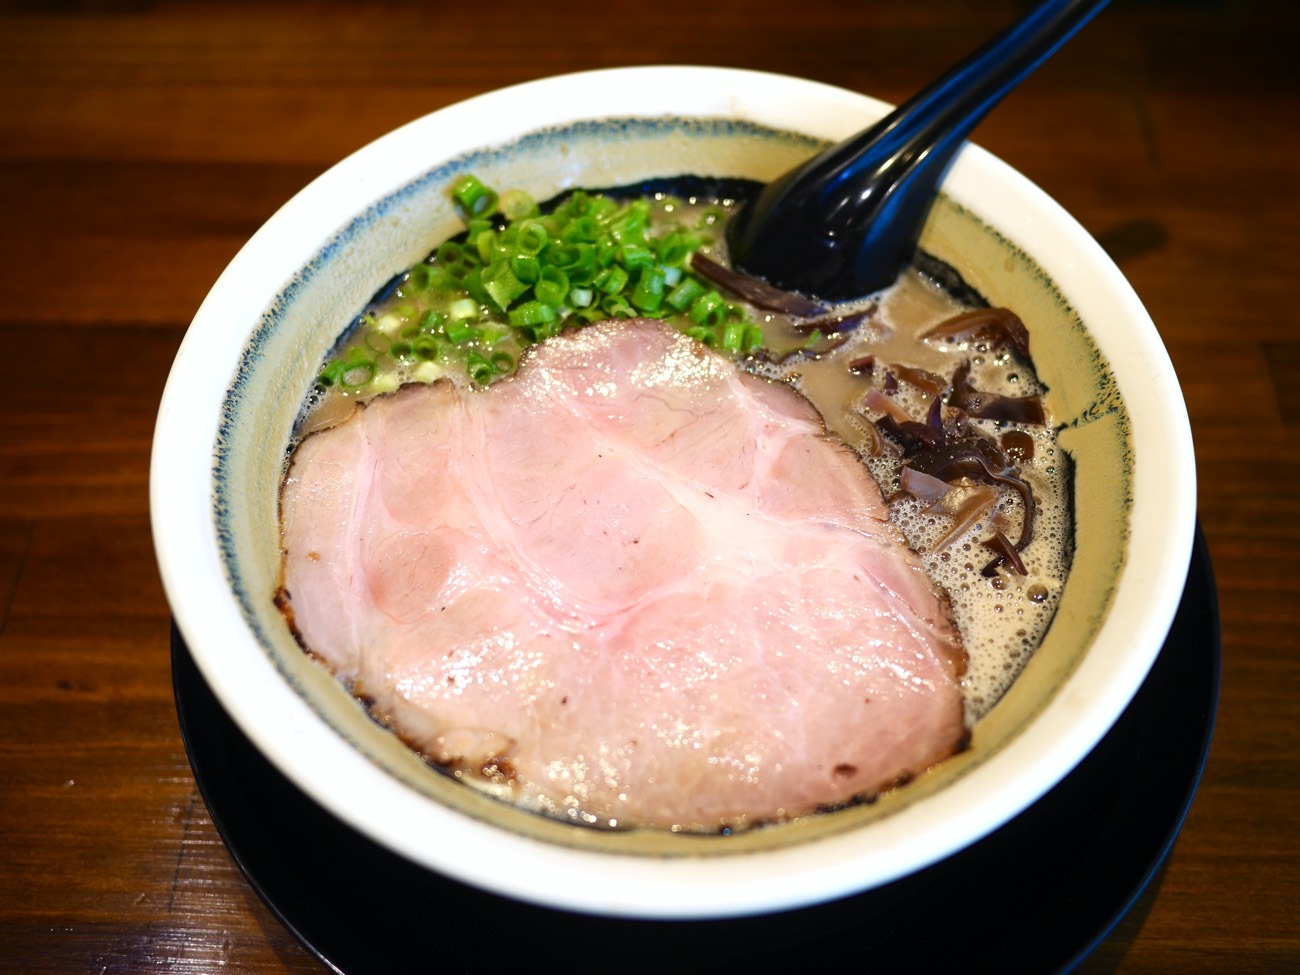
254 348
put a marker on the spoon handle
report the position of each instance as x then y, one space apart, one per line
868 196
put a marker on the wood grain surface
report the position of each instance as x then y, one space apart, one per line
141 143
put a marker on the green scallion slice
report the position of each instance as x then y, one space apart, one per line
473 198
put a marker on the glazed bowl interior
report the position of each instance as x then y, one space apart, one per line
255 347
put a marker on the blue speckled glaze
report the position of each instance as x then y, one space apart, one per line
543 141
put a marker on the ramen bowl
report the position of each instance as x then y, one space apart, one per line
254 350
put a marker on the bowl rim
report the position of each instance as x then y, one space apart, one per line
340 778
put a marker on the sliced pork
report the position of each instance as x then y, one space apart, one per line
634 582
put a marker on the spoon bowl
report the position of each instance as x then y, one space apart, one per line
843 224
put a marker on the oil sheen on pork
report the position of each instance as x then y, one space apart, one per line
633 582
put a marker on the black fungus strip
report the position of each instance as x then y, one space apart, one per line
836 323
999 326
934 419
915 438
932 383
993 406
756 292
1005 553
891 428
863 366
980 460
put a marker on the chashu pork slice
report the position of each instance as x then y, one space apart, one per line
638 584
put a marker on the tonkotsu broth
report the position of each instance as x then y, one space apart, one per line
1002 617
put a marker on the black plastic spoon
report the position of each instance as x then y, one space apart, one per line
844 224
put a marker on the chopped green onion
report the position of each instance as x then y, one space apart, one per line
682 296
531 313
480 369
473 198
648 294
552 287
617 306
584 229
462 308
448 252
527 269
502 284
703 334
478 295
706 308
532 238
612 280
636 257
476 225
578 262
484 244
423 276
517 205
461 333
428 347
675 249
631 223
733 337
490 333
357 373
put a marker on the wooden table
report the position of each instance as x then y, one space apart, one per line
142 142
